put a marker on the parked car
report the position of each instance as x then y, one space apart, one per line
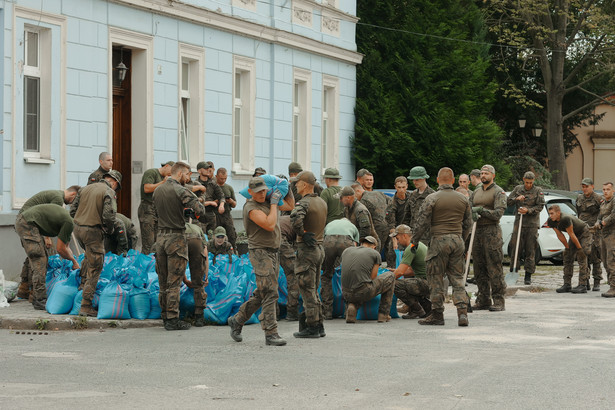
549 246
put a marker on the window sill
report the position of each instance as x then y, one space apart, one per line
46 161
242 173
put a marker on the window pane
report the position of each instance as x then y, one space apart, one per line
323 147
183 132
325 97
31 113
296 99
295 147
237 135
237 85
185 76
31 49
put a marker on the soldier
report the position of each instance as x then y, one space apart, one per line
464 182
368 181
396 210
419 177
489 202
123 237
475 178
106 164
57 197
376 203
94 213
288 256
308 220
230 201
361 176
294 168
34 226
148 219
414 289
357 213
588 209
579 246
261 222
199 269
219 244
361 282
335 209
606 226
171 198
339 235
448 212
212 197
258 172
528 201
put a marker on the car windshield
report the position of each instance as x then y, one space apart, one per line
565 205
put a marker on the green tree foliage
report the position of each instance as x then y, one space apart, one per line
423 99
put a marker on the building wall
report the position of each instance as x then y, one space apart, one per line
280 36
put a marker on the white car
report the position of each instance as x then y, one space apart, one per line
549 246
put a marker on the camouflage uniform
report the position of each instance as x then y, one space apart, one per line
123 238
97 175
310 215
148 218
358 214
213 192
376 203
170 199
288 257
487 248
226 219
448 216
607 238
199 266
412 211
225 249
534 202
581 231
94 213
588 209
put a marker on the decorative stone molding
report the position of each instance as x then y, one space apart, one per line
302 13
330 24
245 4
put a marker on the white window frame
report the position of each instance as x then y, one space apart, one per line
301 139
244 102
330 123
191 133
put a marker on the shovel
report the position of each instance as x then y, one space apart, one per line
467 268
512 276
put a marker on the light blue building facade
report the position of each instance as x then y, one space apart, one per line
242 83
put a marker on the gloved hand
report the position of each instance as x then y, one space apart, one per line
189 213
413 247
275 197
476 210
309 239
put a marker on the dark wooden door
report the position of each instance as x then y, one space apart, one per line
122 131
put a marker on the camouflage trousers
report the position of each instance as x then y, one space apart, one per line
607 250
445 259
307 268
171 260
226 221
91 239
580 255
266 268
594 261
411 290
208 222
148 221
527 247
287 260
26 271
36 253
487 256
383 285
199 269
333 246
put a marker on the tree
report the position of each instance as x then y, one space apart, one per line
423 99
558 55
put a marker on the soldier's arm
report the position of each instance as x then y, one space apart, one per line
232 201
466 225
297 216
267 222
390 215
573 237
407 213
190 200
561 237
121 236
511 197
538 205
108 213
609 219
75 205
364 224
289 202
499 205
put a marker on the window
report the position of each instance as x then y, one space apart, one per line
301 141
244 98
191 104
329 134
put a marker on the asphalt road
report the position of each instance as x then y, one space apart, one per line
545 351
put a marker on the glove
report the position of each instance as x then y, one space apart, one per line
189 213
275 197
476 212
309 239
413 247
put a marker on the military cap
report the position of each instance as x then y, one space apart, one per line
401 229
332 173
346 191
418 173
171 163
257 184
259 171
370 239
587 181
220 231
475 172
205 165
115 175
294 168
307 177
488 168
529 175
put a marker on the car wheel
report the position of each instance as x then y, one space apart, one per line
557 262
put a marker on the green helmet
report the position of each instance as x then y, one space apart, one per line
418 173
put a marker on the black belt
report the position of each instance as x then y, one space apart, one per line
169 230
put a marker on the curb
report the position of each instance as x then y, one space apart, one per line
66 322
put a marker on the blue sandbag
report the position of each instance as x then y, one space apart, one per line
338 299
77 303
220 308
62 296
272 182
155 311
139 304
114 302
186 301
369 309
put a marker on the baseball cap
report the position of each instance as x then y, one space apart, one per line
370 239
475 172
488 168
294 167
171 163
307 176
401 229
205 165
346 191
259 171
587 181
257 184
220 231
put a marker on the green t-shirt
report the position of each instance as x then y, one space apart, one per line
342 227
54 196
578 226
335 208
151 176
416 260
51 220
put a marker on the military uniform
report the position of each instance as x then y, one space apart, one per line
123 238
335 208
225 249
376 203
288 256
588 209
170 200
487 248
607 238
448 214
97 175
581 231
213 192
358 214
396 211
148 219
415 200
534 202
94 213
414 291
199 267
226 219
32 225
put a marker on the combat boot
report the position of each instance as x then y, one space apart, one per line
39 304
588 286
199 320
235 329
416 312
582 288
23 292
528 279
88 310
351 313
434 318
426 305
308 333
596 285
302 321
462 317
609 293
176 324
274 340
497 307
383 317
481 306
321 330
566 287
